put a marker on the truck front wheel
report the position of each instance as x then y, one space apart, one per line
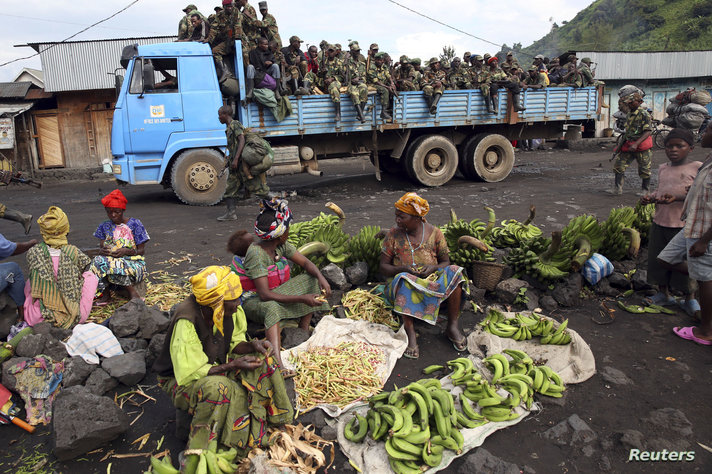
490 157
432 160
195 177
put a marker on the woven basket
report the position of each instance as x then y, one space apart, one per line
486 274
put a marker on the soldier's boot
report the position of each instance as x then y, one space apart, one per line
645 190
495 104
488 104
337 111
359 112
428 101
294 85
21 217
231 214
277 94
434 104
249 87
517 106
385 115
617 189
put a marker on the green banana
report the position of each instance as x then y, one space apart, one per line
395 413
160 467
396 454
432 368
430 458
356 436
442 423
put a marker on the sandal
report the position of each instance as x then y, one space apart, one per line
412 352
461 345
660 299
686 333
99 304
691 307
288 373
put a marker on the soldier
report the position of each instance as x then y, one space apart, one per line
295 62
587 74
405 76
331 75
535 79
539 62
262 61
357 89
211 18
435 81
251 27
201 28
466 58
225 29
340 53
498 79
573 77
372 50
380 77
555 71
637 130
511 60
184 27
459 77
479 79
312 59
270 30
239 176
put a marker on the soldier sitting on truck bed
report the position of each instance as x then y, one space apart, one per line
458 77
201 28
262 64
500 79
379 76
535 79
435 80
356 79
223 31
295 58
405 76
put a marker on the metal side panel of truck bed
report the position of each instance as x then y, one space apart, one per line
315 114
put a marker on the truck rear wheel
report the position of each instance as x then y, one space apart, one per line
195 177
467 150
490 159
431 160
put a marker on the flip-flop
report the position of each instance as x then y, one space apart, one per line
411 353
99 304
460 345
288 374
660 299
691 307
686 333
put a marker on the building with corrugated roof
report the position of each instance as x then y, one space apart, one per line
660 74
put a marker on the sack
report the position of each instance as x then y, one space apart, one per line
264 165
692 107
645 145
596 268
255 149
700 97
673 109
691 120
630 89
668 121
268 82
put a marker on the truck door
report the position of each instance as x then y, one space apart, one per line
155 107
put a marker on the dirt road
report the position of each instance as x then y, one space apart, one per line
663 371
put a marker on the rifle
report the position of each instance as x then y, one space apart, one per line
617 148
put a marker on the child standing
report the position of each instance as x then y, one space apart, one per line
674 178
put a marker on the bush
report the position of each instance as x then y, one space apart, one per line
654 21
702 9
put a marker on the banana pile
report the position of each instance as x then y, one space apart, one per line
366 247
521 377
522 328
579 239
620 238
459 235
513 233
644 214
209 460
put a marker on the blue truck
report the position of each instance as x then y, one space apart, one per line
166 128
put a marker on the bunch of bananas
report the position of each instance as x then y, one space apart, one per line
559 337
522 258
335 243
620 239
513 233
520 377
464 251
644 214
546 381
209 460
579 239
366 247
522 327
301 232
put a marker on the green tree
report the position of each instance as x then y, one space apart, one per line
448 53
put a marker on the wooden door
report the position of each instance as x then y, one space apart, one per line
102 120
50 141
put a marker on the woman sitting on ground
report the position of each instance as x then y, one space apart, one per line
122 243
61 287
232 387
415 254
270 294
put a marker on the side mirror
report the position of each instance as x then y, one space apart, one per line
118 82
148 75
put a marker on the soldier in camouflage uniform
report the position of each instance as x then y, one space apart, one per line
379 76
435 82
418 72
355 71
211 18
480 79
330 78
459 76
270 30
405 76
637 129
587 74
535 79
251 28
572 77
225 29
296 59
498 78
511 61
185 29
237 178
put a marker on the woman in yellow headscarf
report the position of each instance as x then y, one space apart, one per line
415 254
232 387
61 286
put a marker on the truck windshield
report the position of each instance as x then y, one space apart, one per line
165 76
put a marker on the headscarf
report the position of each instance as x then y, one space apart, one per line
282 218
115 199
212 286
682 134
54 227
412 204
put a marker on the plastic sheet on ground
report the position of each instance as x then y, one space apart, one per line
574 362
332 331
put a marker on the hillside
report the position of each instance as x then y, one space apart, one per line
631 25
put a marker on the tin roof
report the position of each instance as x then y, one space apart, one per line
14 90
622 65
85 65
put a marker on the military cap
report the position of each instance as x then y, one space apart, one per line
467 55
433 61
586 60
539 56
292 39
217 9
226 2
404 59
353 46
380 55
373 46
337 45
487 56
330 47
478 57
533 68
492 59
631 97
510 53
505 66
262 5
415 61
572 56
190 8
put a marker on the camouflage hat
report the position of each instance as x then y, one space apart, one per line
373 46
404 59
330 47
292 39
586 60
262 5
467 55
433 61
353 46
487 56
631 98
415 61
477 57
337 45
190 8
533 68
380 55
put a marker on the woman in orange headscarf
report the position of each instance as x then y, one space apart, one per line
415 254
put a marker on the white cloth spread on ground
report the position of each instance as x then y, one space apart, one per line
332 331
90 340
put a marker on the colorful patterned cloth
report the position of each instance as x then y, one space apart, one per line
214 285
282 218
124 271
277 273
38 383
412 204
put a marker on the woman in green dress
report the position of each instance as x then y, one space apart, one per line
270 294
232 387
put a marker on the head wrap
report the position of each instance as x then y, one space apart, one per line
492 60
115 199
682 134
412 204
282 218
214 285
54 227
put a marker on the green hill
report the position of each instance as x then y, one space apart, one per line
631 25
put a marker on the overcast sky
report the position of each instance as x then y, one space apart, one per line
395 29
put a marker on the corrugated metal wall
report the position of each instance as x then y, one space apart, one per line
85 65
657 65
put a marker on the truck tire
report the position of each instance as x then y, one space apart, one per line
431 160
194 177
491 158
387 164
467 149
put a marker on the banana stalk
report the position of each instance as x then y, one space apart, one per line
583 254
553 247
634 237
453 216
336 210
491 221
532 214
473 242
